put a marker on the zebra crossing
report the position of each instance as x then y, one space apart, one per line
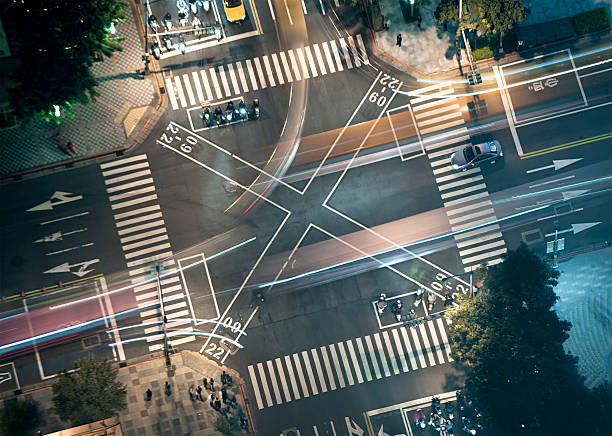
213 83
464 194
144 240
355 361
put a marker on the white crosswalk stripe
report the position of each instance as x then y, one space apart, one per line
343 364
465 196
144 239
274 69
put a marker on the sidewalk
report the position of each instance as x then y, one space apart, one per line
431 50
126 102
175 414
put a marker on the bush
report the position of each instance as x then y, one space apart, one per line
482 53
19 417
591 21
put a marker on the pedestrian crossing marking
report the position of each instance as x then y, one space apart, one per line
385 335
179 88
207 89
281 375
198 87
364 53
224 82
347 57
266 63
311 62
133 202
146 241
478 240
334 355
364 359
142 235
311 379
233 79
187 82
460 182
332 382
353 50
336 52
298 369
129 185
125 169
341 364
351 350
213 77
319 57
296 393
330 61
480 213
286 66
243 81
300 55
131 193
171 94
134 175
277 67
347 368
249 66
481 248
141 227
373 358
296 70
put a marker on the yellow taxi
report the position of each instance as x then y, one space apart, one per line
234 10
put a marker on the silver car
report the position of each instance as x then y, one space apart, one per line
473 155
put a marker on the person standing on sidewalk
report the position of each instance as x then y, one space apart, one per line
419 19
224 395
199 391
399 40
212 384
148 395
191 392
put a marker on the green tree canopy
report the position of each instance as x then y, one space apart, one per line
483 16
19 417
88 394
56 42
513 340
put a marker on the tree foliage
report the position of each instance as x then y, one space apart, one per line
56 42
226 426
513 340
19 417
483 16
88 394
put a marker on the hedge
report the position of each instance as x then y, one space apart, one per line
591 21
482 53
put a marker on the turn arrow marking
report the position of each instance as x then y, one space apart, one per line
63 197
557 165
66 267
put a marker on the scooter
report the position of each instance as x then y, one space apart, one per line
256 109
435 405
229 112
168 43
449 411
219 118
206 117
418 297
242 110
431 299
381 304
419 419
168 21
397 308
156 50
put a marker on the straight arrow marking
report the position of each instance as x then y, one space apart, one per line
576 228
63 197
557 165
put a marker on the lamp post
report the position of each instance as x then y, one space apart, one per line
146 58
411 8
160 296
468 49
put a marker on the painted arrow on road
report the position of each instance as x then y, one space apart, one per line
5 376
58 236
67 268
557 165
576 228
568 195
62 197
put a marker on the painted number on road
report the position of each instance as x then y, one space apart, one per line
380 100
214 350
171 136
439 285
388 81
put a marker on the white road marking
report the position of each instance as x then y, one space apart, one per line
505 97
286 66
361 45
364 359
330 61
381 352
330 374
288 13
127 177
128 247
260 73
226 87
347 56
320 60
311 378
187 82
347 368
129 185
298 368
125 169
255 387
385 335
304 8
398 345
296 70
418 348
266 62
302 63
198 87
271 10
317 363
133 202
349 345
281 374
215 81
334 49
277 67
142 236
243 81
296 392
233 79
444 339
483 256
179 89
275 389
249 65
141 227
123 161
373 357
149 250
332 351
171 94
460 182
311 61
427 348
131 193
209 94
351 43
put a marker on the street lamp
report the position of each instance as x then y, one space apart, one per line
468 49
411 8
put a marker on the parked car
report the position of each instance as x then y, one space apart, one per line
474 155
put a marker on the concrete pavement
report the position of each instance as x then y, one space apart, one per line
114 121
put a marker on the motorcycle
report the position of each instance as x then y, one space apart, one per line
182 45
449 411
242 110
381 304
460 401
418 297
397 308
219 118
206 117
168 43
153 23
229 112
256 109
168 21
156 50
470 426
419 419
448 300
431 299
436 406
435 421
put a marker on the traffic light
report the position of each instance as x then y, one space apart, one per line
478 78
470 78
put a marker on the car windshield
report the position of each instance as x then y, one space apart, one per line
233 3
492 147
468 153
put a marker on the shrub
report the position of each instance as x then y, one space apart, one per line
591 21
482 53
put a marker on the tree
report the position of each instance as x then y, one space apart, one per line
19 417
519 374
88 394
55 43
226 426
483 16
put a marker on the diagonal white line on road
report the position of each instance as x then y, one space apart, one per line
286 66
275 389
300 55
277 68
347 56
249 66
330 61
266 62
311 62
400 349
320 60
311 378
298 369
345 362
142 227
436 342
479 239
260 73
385 335
336 52
445 342
281 376
296 392
364 54
233 79
381 353
480 257
243 81
315 358
209 95
481 248
330 374
294 65
334 355
129 185
130 176
471 216
255 387
264 383
351 349
171 94
351 43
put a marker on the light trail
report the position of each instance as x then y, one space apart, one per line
177 333
202 320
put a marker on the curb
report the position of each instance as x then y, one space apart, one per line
144 126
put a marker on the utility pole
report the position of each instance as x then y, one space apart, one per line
164 319
146 57
468 49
